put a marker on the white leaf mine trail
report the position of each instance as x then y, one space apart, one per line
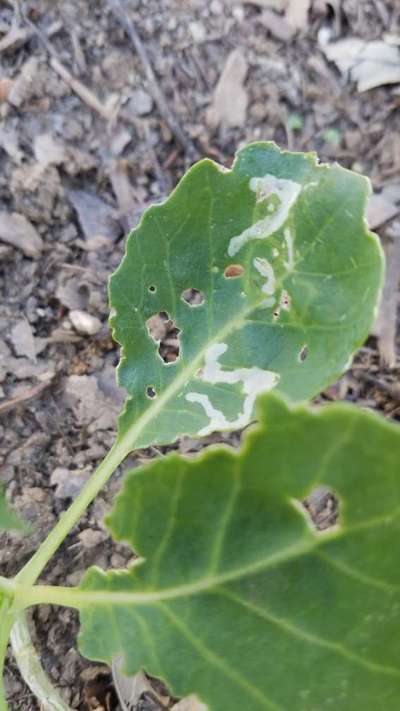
255 380
286 190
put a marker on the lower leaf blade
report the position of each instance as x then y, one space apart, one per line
240 599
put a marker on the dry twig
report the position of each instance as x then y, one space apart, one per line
87 96
25 397
385 326
127 24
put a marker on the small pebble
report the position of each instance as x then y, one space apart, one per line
84 323
23 340
198 31
90 538
238 13
216 7
140 103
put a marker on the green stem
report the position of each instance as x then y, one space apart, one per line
50 595
25 654
31 571
121 448
7 586
6 621
31 669
3 702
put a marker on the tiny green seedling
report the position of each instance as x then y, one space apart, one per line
295 122
268 279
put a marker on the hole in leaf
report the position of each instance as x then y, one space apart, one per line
163 331
98 689
151 391
234 271
322 507
303 353
285 301
193 297
138 693
152 289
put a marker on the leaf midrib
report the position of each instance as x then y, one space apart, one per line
128 439
84 597
80 598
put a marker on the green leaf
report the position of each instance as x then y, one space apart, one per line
305 299
8 519
239 599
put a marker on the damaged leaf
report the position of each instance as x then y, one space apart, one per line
288 276
237 597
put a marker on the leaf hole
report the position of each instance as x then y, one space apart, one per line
152 289
322 507
303 353
163 331
233 271
98 688
193 297
285 301
151 391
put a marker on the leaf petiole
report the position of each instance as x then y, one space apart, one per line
120 449
7 620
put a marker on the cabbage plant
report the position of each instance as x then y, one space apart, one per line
240 298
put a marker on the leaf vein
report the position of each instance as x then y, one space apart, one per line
288 627
215 660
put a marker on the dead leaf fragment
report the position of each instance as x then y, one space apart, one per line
36 189
23 340
385 325
15 38
129 688
47 150
16 230
25 84
89 404
189 703
96 217
9 142
72 292
297 13
124 192
383 206
229 103
5 88
274 4
370 64
277 25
